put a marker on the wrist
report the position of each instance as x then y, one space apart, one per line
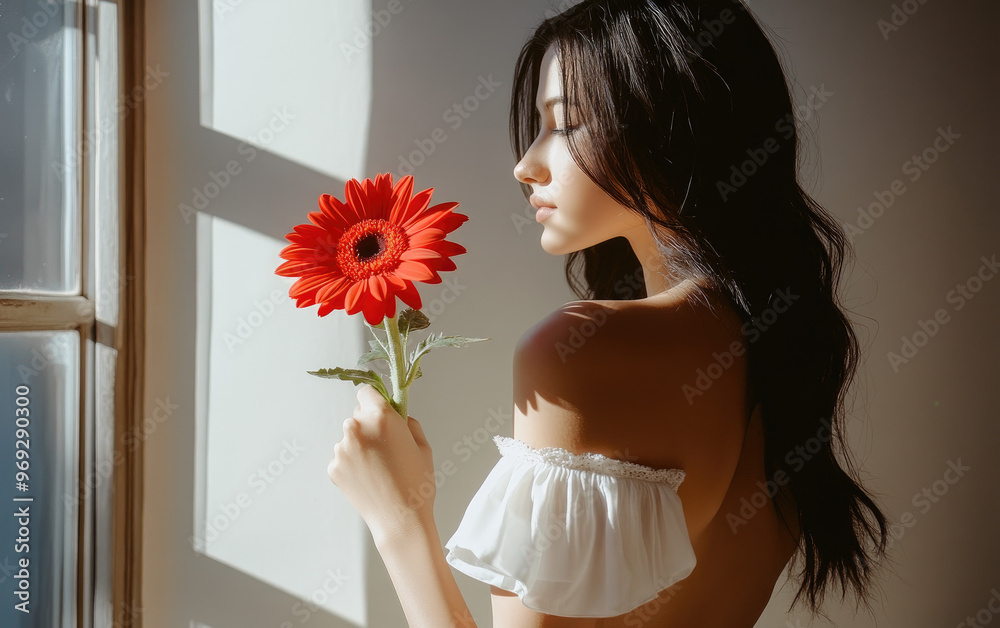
402 525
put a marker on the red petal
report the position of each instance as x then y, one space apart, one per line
326 223
326 308
330 291
441 207
312 231
299 252
390 306
376 287
307 285
414 271
337 211
357 198
383 188
442 264
295 268
374 309
416 207
410 296
446 247
400 199
446 221
396 282
425 237
414 255
376 204
355 297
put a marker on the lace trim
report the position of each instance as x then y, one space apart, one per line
588 462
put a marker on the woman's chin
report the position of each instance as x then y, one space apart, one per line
555 246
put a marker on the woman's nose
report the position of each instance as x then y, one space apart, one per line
529 171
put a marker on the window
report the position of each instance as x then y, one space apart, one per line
70 274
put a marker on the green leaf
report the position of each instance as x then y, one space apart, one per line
377 345
377 353
357 376
432 342
412 320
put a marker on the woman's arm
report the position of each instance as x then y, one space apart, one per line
379 464
423 580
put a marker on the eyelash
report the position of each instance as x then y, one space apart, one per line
565 131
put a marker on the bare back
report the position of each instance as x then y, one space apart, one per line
740 550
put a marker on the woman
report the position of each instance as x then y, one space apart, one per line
657 141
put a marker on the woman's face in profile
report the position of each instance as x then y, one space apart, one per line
583 214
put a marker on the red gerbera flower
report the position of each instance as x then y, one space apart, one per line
362 254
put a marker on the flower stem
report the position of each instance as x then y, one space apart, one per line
397 366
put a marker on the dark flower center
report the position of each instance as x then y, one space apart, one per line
369 247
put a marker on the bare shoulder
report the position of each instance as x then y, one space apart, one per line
635 380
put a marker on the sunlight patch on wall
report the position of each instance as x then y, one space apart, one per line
266 428
293 78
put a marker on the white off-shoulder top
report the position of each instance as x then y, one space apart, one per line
574 535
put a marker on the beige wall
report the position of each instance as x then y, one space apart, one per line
888 100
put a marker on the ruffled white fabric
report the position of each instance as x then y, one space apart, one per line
574 535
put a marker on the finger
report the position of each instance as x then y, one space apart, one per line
356 430
418 432
349 426
369 395
372 406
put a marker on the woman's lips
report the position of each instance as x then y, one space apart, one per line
543 213
544 210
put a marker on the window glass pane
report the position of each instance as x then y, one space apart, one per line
39 127
99 487
104 149
40 405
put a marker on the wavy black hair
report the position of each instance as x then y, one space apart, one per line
690 123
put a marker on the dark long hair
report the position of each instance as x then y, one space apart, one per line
689 123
